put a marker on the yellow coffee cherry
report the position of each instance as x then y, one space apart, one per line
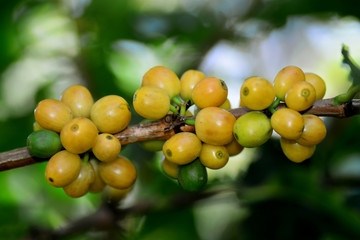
314 130
107 147
257 93
288 123
300 96
188 81
62 168
214 157
169 168
162 77
285 78
295 151
111 114
209 92
151 102
318 83
214 125
182 148
119 173
78 135
52 114
79 99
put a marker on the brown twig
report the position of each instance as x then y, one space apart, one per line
165 128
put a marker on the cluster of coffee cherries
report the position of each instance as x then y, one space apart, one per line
187 155
299 132
77 134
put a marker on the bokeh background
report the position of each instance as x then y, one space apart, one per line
107 46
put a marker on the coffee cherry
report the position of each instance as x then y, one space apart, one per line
80 186
62 168
79 99
192 176
169 168
288 123
151 102
314 130
295 151
300 96
209 92
214 157
318 83
214 125
78 135
119 173
257 93
188 81
162 77
285 79
107 147
43 143
98 184
52 114
111 114
182 148
234 148
252 129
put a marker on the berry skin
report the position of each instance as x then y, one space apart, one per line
214 157
226 105
80 186
107 147
162 77
79 99
44 143
209 92
214 125
62 168
257 93
287 123
300 96
169 168
111 114
285 78
79 135
314 130
295 151
252 129
151 102
188 81
119 173
52 114
114 194
182 148
193 176
318 83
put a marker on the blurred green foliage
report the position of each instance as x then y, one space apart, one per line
105 45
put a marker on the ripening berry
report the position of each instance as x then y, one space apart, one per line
162 77
52 114
209 92
295 151
285 78
288 123
79 99
300 96
111 114
257 93
318 83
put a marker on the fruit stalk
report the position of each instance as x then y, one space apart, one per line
167 127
